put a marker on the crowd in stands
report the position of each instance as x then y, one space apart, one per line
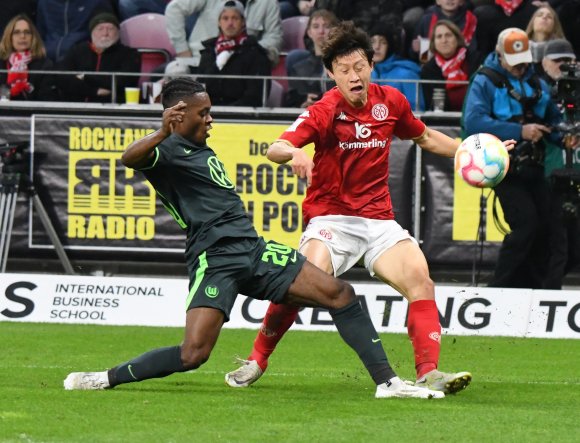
415 41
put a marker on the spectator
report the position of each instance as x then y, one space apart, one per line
389 66
452 61
508 100
492 19
11 8
131 8
262 21
413 11
22 51
233 52
565 217
293 8
542 27
569 13
308 63
103 53
365 13
64 24
453 10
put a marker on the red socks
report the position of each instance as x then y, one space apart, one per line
425 333
277 321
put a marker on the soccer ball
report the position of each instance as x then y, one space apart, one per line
482 160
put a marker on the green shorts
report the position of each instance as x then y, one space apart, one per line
251 267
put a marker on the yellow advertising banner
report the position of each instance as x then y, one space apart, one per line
271 193
467 202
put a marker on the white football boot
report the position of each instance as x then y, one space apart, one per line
444 382
245 375
87 381
397 388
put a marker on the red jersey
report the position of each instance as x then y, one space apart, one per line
351 151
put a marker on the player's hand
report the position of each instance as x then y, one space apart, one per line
302 165
173 116
509 144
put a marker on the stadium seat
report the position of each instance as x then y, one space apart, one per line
276 95
147 34
293 29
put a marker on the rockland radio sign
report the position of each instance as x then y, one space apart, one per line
100 204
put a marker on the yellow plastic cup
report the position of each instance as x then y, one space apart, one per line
132 96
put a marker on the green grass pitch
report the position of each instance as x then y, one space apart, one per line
523 390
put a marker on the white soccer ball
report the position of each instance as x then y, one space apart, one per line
482 160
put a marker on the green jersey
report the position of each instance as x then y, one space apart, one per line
194 187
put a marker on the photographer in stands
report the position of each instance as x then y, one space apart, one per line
507 99
562 166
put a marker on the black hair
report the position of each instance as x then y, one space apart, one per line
391 34
345 39
179 88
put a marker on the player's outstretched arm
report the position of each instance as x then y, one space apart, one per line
139 153
438 143
282 151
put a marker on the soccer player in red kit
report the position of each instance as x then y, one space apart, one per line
348 207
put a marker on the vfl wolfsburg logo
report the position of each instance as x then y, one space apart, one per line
218 173
212 291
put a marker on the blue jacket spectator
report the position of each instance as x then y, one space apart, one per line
63 24
491 109
517 106
391 66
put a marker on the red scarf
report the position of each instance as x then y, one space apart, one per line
468 30
17 77
509 6
452 69
229 44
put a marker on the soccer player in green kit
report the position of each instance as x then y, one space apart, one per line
225 256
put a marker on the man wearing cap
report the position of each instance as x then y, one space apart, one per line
262 21
103 53
509 101
556 53
233 52
564 210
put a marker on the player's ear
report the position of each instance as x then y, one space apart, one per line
330 74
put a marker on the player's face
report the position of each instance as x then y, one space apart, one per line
352 74
197 119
